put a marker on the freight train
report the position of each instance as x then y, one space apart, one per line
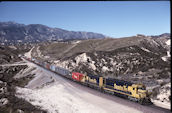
131 91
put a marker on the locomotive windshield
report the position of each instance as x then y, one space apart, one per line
142 88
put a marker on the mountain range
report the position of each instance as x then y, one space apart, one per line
13 32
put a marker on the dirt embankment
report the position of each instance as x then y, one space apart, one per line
9 103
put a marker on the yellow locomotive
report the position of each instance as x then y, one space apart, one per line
134 92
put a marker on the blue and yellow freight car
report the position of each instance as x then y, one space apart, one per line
94 81
116 86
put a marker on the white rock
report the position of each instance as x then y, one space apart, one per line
145 49
3 101
3 90
168 54
81 58
20 111
164 58
104 69
92 66
164 93
12 47
168 42
1 82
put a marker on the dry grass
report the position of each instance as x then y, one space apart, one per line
67 49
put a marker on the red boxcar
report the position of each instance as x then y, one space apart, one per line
47 66
29 59
77 76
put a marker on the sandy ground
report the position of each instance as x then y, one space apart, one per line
28 54
65 96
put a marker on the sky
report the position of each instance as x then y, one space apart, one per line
111 18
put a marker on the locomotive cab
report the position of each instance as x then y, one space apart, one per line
141 90
143 94
139 94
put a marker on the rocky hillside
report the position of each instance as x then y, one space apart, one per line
10 54
11 32
65 50
137 59
9 67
